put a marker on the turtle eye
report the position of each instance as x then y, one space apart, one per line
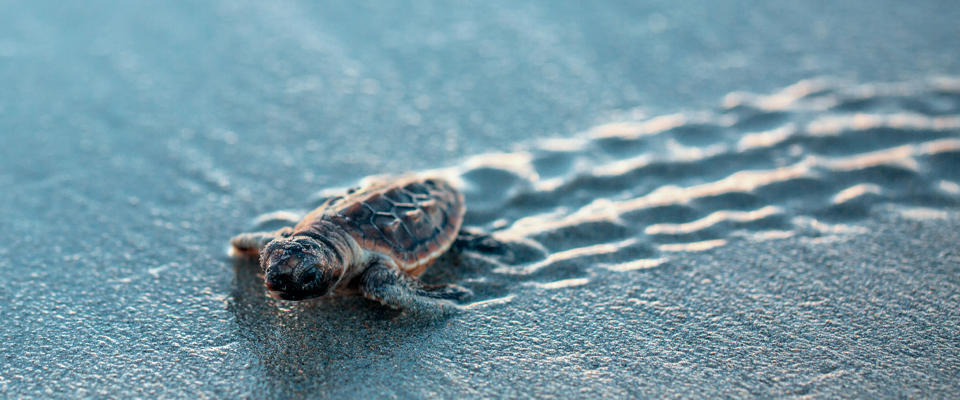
309 277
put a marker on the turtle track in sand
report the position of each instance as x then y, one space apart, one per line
811 160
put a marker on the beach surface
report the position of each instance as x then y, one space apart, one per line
710 199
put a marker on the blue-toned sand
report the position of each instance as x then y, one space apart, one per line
698 199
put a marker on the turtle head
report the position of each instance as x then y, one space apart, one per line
300 268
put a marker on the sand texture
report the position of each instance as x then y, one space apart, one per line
783 244
695 199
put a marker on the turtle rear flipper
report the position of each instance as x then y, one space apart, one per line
512 251
477 240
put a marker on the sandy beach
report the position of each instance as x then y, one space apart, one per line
696 199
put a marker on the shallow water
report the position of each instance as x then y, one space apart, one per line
677 236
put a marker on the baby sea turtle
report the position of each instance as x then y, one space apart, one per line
376 241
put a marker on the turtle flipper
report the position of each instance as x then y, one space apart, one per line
445 291
397 290
250 244
472 242
474 239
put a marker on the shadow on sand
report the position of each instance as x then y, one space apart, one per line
312 345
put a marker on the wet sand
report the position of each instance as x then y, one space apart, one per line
786 244
866 316
688 210
801 242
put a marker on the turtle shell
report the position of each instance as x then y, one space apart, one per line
412 220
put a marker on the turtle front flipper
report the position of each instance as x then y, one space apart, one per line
395 289
250 244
